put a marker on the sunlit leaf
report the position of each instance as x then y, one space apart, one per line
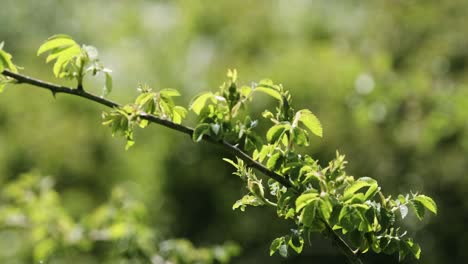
276 244
269 91
245 90
418 208
275 132
274 162
305 199
6 62
108 84
199 101
296 243
427 202
168 92
179 113
310 121
247 200
200 130
56 41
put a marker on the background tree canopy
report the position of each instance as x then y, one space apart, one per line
386 78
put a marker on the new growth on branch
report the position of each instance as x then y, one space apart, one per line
353 212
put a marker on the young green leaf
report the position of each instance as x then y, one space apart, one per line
305 199
275 132
178 113
63 59
427 202
418 208
108 84
200 130
357 185
310 121
245 90
300 136
247 200
325 207
296 243
5 61
199 101
168 92
269 91
56 41
276 244
274 162
57 52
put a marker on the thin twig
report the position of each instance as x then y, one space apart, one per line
55 89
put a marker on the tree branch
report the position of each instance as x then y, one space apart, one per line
339 242
55 89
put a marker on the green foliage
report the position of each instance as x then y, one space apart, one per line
316 199
32 206
160 104
321 198
73 61
182 251
5 63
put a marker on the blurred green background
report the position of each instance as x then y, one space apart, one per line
386 78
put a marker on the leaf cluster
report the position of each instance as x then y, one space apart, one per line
73 61
6 63
316 199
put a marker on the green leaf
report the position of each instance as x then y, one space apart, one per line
296 243
306 198
232 74
178 113
418 208
245 90
309 217
63 59
414 248
168 92
325 207
230 161
359 184
275 132
276 244
262 154
270 91
199 101
275 161
144 98
56 41
55 53
108 84
247 200
310 121
5 61
200 130
300 137
427 202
